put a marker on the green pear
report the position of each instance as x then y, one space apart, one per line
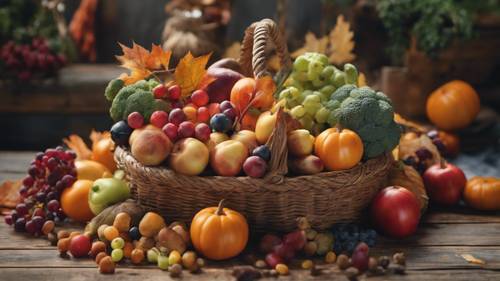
106 192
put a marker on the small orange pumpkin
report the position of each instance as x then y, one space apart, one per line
453 106
338 149
483 193
219 233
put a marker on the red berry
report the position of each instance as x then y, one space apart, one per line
360 257
272 259
202 132
79 246
170 129
135 120
199 97
296 239
186 129
176 116
268 242
174 92
285 251
160 91
203 114
230 113
255 167
159 118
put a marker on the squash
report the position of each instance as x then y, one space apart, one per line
219 233
339 149
407 177
483 193
453 106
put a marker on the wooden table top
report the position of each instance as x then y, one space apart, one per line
433 253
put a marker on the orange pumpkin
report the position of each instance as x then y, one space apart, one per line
453 106
102 152
248 89
483 193
338 149
219 233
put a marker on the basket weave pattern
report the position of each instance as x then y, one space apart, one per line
274 202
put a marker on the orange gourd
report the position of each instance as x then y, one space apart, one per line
219 233
453 106
259 92
102 152
338 149
483 193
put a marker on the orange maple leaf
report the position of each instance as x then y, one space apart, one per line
190 73
142 62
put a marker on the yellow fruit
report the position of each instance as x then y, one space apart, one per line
91 170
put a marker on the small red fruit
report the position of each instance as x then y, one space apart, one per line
202 132
396 211
199 97
255 167
176 116
186 129
170 129
285 251
268 242
160 91
174 92
135 120
203 114
159 118
80 246
296 239
272 259
360 257
445 183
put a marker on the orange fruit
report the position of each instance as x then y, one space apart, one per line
102 152
74 201
91 170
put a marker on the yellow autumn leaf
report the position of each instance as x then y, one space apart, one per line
312 44
190 72
341 42
142 62
471 259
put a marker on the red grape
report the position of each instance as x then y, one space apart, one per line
21 209
202 132
230 113
199 97
225 105
285 251
159 118
53 205
135 120
186 129
20 224
272 259
8 219
268 242
30 227
176 116
174 92
360 257
160 91
170 129
296 239
28 181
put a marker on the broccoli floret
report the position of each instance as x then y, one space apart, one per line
143 102
369 114
112 89
140 101
152 83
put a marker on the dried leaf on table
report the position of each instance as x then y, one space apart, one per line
341 42
233 51
76 143
312 44
9 195
190 72
409 145
142 62
471 259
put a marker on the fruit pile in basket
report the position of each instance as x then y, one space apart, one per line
219 122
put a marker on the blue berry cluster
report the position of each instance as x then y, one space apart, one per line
347 237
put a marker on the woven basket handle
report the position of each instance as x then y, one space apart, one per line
253 48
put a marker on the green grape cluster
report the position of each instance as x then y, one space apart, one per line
308 89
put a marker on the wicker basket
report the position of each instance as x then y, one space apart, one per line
274 202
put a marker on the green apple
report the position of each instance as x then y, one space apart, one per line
106 192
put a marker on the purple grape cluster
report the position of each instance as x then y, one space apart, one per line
48 175
26 61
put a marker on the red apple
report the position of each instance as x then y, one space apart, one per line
445 183
79 246
396 211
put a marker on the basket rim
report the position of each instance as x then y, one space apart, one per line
377 165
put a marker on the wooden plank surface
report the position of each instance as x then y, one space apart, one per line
433 253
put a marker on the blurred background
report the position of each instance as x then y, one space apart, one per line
57 56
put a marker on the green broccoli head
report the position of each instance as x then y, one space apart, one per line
370 115
112 89
136 97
